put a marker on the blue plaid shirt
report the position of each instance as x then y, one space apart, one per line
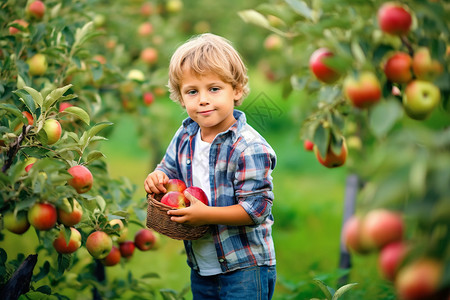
240 166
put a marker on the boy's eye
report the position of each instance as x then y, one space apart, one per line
191 92
214 89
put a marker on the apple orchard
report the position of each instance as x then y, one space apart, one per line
374 77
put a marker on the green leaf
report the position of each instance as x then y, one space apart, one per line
78 112
43 272
27 99
301 8
100 202
97 127
253 17
55 95
150 275
12 109
37 97
321 138
323 287
342 290
384 116
94 155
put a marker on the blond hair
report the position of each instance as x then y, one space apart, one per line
207 53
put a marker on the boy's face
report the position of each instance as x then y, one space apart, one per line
209 101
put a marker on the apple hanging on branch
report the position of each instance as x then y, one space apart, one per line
320 69
363 91
65 247
420 99
81 180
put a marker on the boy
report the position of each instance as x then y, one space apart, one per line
216 150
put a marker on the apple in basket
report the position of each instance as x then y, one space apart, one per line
197 193
176 185
175 199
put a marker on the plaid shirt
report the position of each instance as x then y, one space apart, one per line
240 167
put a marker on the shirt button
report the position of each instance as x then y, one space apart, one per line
188 162
221 260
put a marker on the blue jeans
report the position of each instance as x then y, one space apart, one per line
248 283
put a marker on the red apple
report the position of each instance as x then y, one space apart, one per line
13 30
331 159
197 193
42 216
398 68
126 249
175 199
53 130
317 65
65 247
364 91
394 19
381 227
146 9
149 55
29 162
308 145
100 58
390 258
99 244
69 214
351 235
122 230
30 120
82 179
145 29
64 105
148 98
36 9
273 42
113 258
419 279
420 99
145 239
175 185
424 66
16 223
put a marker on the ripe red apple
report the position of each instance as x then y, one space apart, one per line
126 249
30 120
419 279
42 216
145 29
23 23
308 145
37 64
29 162
424 66
398 68
99 244
70 215
318 66
273 42
100 58
64 105
82 179
394 19
113 258
62 246
351 235
36 9
175 185
364 91
381 227
420 99
53 130
149 55
175 199
148 98
331 159
145 239
390 258
16 223
146 9
122 231
197 193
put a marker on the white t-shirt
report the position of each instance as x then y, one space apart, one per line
204 248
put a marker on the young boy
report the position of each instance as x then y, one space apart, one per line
216 149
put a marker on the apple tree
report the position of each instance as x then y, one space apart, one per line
374 80
57 103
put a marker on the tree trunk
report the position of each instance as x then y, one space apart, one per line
19 283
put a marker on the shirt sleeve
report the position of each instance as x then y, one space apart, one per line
253 181
169 164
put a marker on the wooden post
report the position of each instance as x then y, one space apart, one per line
19 283
352 187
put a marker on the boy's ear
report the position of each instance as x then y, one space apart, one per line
238 92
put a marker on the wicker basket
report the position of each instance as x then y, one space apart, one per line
159 220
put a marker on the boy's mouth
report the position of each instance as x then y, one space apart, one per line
206 112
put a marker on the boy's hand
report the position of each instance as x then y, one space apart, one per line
192 215
154 183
